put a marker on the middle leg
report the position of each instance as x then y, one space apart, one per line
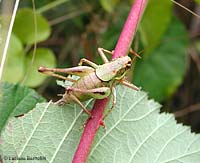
97 93
113 102
75 99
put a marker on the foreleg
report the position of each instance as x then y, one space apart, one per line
90 63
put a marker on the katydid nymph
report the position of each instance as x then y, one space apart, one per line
95 81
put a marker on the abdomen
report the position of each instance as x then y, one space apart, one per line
86 83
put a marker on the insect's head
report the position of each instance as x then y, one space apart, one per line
115 69
125 64
128 63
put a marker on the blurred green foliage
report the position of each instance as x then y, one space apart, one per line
43 56
198 1
15 60
197 45
162 71
22 61
28 30
109 5
154 23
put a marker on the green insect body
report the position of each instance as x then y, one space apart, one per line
114 69
87 82
95 81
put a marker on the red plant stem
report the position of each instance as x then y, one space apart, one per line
90 131
128 31
121 49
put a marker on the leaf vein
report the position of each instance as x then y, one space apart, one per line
148 136
66 134
117 122
34 129
172 138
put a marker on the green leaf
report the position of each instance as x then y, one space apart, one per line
155 22
135 132
43 57
162 71
198 1
197 45
48 131
109 5
16 100
14 62
25 27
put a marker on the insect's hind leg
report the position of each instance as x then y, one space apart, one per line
78 71
52 71
75 99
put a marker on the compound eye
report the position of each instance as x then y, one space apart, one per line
128 64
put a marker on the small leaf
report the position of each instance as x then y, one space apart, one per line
109 5
16 100
135 132
14 61
26 29
43 57
162 71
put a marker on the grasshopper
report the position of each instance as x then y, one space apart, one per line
96 81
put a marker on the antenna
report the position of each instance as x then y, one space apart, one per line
190 11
